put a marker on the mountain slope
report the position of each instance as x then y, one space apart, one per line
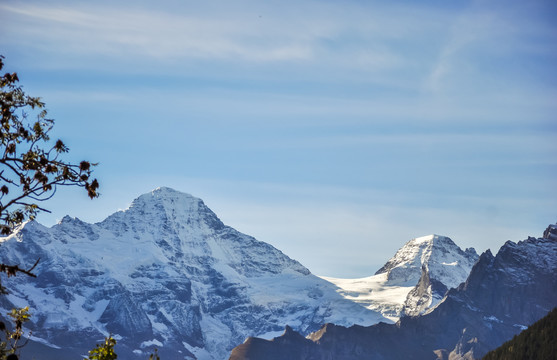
502 295
415 279
164 273
536 342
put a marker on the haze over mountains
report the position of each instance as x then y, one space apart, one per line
167 273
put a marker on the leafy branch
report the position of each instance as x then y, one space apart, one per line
31 168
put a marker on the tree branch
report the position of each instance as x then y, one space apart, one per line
12 270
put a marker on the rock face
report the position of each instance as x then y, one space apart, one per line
435 264
165 273
415 279
502 295
550 232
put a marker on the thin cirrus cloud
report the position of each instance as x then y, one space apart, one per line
349 36
276 35
117 32
485 44
355 44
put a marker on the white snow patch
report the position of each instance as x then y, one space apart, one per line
157 326
154 342
270 335
375 293
492 318
200 354
44 342
454 263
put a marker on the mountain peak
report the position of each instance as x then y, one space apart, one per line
169 192
503 295
430 238
411 252
167 207
435 253
167 271
166 194
550 232
434 239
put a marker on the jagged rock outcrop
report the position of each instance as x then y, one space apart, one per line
550 232
502 295
415 279
442 265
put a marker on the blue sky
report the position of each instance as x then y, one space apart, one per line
335 131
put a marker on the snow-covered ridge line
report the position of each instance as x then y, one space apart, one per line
165 271
413 280
502 295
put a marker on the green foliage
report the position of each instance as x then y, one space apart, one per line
154 356
104 351
10 347
31 166
31 169
539 341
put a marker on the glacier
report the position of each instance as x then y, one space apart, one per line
414 280
502 295
166 273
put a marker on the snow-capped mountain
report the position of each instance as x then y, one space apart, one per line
164 273
503 295
415 279
551 232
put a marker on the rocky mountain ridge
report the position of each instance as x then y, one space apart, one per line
415 279
164 273
502 296
167 273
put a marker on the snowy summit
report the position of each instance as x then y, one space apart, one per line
414 279
166 273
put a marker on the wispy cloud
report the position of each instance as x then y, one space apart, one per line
481 40
152 33
265 33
